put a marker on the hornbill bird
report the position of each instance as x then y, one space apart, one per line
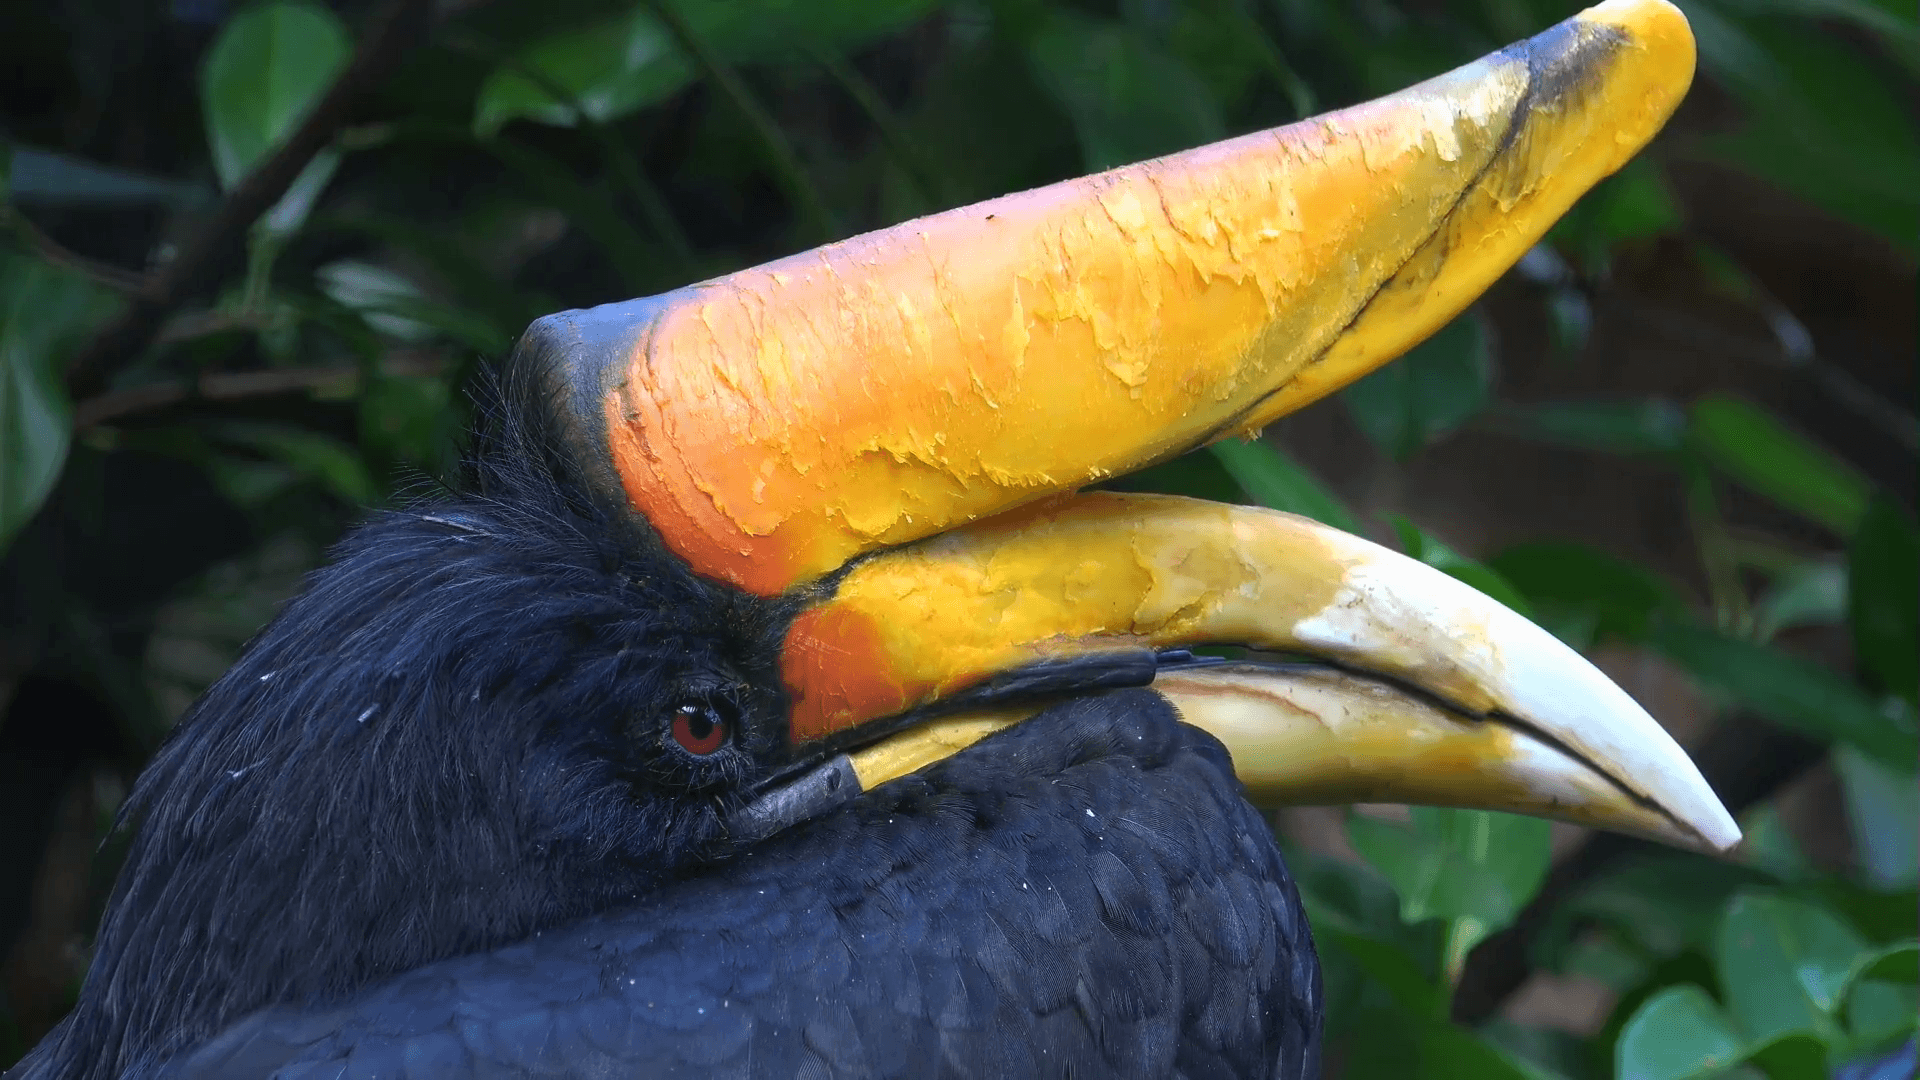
771 701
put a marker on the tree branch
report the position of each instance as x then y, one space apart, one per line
237 385
207 255
103 274
1745 759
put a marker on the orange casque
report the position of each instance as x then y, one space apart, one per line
776 422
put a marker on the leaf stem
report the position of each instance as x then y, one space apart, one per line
205 256
103 274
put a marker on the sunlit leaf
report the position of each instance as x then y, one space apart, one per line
286 216
1128 100
1884 597
1273 479
1784 964
607 69
1789 690
373 290
1883 808
1457 864
44 312
1427 393
268 67
1677 1034
1750 445
1813 593
1610 427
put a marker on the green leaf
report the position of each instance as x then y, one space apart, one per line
1128 100
1475 866
1814 593
1788 690
1388 965
374 291
1427 393
334 464
1766 844
1884 597
1654 426
1584 593
413 419
1677 1033
1196 474
1421 545
1883 808
1542 1053
1662 904
268 67
1752 447
1273 479
1784 964
1635 203
1451 1053
1824 122
612 68
607 70
1879 1011
286 216
1898 962
44 311
44 178
1791 1056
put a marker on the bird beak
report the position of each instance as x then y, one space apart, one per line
888 431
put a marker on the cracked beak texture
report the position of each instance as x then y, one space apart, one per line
775 422
929 396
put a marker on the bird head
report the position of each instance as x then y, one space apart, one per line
891 434
732 555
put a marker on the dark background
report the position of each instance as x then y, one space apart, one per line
249 255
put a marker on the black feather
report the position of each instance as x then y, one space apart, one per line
432 824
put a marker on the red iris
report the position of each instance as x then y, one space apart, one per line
699 730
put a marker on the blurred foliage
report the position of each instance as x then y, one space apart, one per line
534 156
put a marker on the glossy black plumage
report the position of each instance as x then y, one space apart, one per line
432 825
1084 895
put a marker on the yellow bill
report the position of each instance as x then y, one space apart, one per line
881 440
774 423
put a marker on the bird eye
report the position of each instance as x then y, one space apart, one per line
702 727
